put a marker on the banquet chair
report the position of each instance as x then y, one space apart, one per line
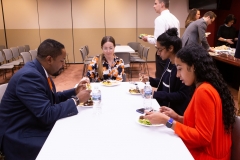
2 90
134 45
9 57
144 59
86 61
26 57
5 66
27 48
21 49
126 59
124 78
2 47
33 54
16 54
235 149
87 50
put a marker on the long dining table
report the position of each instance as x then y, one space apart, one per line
114 133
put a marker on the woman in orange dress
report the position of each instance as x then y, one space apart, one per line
206 125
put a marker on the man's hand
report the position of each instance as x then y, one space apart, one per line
82 84
84 95
145 38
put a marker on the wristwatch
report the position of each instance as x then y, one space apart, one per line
169 123
76 99
225 39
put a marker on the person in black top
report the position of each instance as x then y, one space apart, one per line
171 92
227 33
237 52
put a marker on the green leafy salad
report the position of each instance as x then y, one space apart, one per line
144 121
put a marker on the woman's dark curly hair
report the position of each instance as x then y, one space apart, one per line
206 71
170 38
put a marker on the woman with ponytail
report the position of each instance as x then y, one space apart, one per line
106 65
171 91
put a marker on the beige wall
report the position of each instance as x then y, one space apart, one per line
2 36
84 22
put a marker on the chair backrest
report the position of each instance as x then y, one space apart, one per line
2 59
134 45
125 56
83 52
21 49
140 50
124 78
235 149
15 52
87 49
27 48
145 52
8 54
33 54
2 47
2 90
26 57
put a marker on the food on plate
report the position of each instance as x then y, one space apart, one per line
134 91
107 82
223 47
88 103
142 35
144 121
88 85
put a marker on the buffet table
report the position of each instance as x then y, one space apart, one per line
229 67
113 134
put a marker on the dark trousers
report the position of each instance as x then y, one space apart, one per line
160 64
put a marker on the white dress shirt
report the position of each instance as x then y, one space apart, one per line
163 22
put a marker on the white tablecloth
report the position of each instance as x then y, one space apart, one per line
124 49
113 135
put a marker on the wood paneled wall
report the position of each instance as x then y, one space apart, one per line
76 23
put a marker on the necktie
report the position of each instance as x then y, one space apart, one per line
50 83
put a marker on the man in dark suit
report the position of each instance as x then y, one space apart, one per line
31 106
195 32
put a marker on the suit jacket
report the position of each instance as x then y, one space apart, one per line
29 110
195 33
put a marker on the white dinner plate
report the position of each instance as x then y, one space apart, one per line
113 83
81 105
152 125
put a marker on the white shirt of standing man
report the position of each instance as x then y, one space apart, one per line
163 22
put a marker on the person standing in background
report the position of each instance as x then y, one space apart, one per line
237 52
227 33
195 32
163 22
193 15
